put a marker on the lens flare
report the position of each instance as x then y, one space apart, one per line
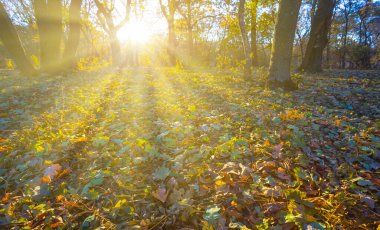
134 31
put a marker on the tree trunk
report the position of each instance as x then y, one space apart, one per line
12 43
189 29
344 47
243 31
254 33
281 55
312 62
115 47
312 10
298 32
171 43
190 42
72 43
169 16
112 33
112 29
49 22
328 50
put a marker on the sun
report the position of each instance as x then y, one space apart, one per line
135 31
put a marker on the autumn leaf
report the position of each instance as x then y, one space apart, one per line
161 194
57 221
80 139
6 197
52 170
267 143
46 179
59 198
64 172
161 173
120 203
212 215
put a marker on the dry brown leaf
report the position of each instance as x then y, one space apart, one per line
161 194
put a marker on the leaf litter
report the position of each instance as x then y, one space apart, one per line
189 150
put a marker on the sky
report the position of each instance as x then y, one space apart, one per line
152 17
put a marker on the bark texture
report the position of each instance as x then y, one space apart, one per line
281 55
72 42
12 43
243 32
312 61
169 16
254 33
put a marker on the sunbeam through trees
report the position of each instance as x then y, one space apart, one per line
189 114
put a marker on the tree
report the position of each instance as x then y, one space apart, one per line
321 22
74 34
109 26
188 16
281 55
305 18
254 6
265 26
364 14
192 12
243 31
12 42
197 19
49 22
169 12
347 10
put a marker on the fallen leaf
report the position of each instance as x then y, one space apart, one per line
6 197
46 179
161 194
64 172
59 198
80 139
212 214
281 173
161 173
52 170
57 221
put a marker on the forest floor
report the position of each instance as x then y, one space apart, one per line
176 149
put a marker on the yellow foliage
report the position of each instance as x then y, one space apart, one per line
179 65
80 139
45 179
59 198
92 63
310 218
35 61
220 183
2 148
9 64
121 203
207 226
291 115
267 143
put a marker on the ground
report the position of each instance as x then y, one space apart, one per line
178 149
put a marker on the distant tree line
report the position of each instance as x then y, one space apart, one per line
237 34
